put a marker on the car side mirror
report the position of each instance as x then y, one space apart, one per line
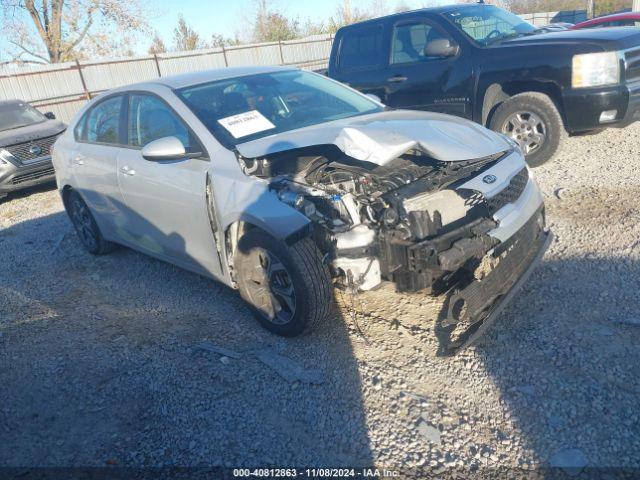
50 115
166 148
373 97
441 48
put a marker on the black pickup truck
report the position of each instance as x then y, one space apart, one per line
486 64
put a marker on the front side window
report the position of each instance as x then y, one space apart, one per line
240 109
18 114
487 24
409 42
362 48
103 122
150 119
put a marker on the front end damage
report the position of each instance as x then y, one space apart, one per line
468 228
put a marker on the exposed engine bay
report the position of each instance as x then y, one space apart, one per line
471 229
415 221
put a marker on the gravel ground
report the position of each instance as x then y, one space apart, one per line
115 360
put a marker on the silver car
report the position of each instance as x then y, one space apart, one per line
285 184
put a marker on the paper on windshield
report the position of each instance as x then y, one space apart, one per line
246 123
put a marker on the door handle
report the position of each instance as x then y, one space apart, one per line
397 79
128 171
78 161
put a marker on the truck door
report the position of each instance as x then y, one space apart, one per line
362 56
427 70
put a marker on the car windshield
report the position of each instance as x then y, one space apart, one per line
237 110
18 114
487 24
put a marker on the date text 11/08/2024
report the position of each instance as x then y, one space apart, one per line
315 472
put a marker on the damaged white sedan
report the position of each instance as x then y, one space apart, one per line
284 184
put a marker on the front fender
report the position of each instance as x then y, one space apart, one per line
267 212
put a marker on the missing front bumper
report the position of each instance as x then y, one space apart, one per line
470 310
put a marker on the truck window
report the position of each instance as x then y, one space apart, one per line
487 24
409 41
362 48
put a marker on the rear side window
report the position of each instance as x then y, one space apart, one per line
362 47
103 122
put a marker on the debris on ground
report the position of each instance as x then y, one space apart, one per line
210 347
288 369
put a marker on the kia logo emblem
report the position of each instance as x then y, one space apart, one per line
489 179
35 150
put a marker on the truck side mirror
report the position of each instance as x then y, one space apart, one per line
441 47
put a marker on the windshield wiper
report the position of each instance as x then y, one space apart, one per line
514 35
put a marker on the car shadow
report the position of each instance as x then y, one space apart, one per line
117 360
126 360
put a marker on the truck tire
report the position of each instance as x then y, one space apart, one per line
288 289
532 120
86 226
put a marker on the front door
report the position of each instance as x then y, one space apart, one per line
166 200
419 80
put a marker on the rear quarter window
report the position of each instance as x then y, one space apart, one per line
103 122
362 48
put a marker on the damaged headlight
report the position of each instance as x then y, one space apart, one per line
291 198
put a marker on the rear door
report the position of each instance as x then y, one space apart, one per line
166 204
419 81
362 56
94 162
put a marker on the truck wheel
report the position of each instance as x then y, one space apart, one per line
86 226
288 288
533 121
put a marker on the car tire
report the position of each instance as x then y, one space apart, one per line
288 288
532 120
86 226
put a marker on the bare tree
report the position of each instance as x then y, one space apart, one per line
185 37
346 15
53 31
402 7
157 45
271 25
218 41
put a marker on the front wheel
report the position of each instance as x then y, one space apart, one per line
532 120
288 288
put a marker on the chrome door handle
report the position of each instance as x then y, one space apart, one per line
78 161
397 79
128 171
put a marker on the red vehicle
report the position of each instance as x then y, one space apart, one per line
628 19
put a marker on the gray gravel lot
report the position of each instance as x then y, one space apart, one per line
116 359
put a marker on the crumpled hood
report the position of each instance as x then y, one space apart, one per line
31 132
381 137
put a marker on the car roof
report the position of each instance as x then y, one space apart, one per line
10 103
204 76
440 9
612 17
